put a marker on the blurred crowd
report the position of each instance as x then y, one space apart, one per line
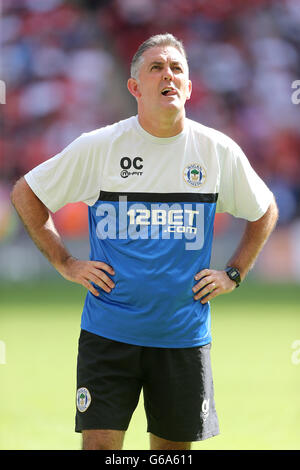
65 65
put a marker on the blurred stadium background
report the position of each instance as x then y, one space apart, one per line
65 65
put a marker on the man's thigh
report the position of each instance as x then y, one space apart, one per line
108 384
179 394
158 443
102 439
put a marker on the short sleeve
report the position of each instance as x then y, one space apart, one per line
71 176
242 192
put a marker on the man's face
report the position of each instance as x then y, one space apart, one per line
163 82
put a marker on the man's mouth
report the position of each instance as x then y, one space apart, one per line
168 91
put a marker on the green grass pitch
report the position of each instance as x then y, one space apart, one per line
255 365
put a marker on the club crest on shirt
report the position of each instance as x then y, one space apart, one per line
83 399
194 174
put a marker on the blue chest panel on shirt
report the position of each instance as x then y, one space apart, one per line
156 243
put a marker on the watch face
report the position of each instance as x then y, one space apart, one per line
233 274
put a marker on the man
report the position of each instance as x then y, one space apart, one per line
153 183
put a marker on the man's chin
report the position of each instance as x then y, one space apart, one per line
171 104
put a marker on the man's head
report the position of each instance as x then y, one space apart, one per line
160 76
160 40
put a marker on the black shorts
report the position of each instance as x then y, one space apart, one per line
177 386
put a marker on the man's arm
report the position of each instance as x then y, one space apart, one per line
256 233
40 226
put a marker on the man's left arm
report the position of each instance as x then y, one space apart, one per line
213 282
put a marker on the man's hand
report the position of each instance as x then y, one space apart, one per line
213 283
85 272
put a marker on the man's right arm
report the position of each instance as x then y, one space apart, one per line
40 226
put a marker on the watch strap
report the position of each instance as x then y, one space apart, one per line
233 274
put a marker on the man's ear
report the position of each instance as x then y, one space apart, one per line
133 87
190 90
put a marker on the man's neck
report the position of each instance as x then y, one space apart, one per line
162 126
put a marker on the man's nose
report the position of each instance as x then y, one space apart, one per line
167 73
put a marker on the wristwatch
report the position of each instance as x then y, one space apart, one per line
234 275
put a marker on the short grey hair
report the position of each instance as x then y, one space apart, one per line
166 39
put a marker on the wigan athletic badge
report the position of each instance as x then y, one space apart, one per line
194 174
83 399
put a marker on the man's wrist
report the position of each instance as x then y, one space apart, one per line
63 263
233 274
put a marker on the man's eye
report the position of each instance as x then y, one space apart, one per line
155 67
